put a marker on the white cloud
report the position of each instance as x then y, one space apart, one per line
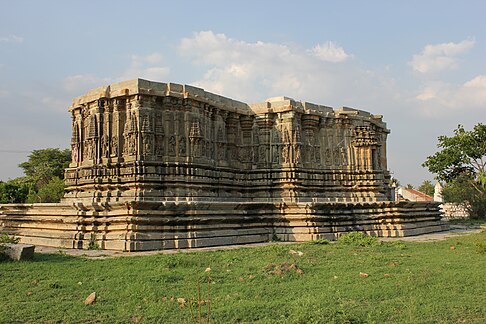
80 83
445 98
55 103
11 39
253 71
440 57
146 67
330 52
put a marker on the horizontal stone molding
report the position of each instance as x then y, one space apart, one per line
137 226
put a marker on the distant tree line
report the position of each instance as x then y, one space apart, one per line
43 180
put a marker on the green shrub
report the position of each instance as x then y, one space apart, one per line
358 239
93 243
5 238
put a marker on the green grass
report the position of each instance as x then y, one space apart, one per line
407 283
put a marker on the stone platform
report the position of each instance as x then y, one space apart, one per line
178 225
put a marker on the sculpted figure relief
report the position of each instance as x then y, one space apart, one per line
182 146
114 146
106 146
159 145
147 144
285 153
74 153
172 144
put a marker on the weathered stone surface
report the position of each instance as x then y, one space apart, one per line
164 166
19 252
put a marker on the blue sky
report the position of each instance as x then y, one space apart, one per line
421 64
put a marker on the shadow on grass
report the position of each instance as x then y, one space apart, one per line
40 257
55 257
473 223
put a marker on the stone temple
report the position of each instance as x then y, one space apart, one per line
164 166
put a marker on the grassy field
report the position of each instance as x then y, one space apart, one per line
300 283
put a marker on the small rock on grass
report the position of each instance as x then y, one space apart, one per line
90 299
299 253
363 275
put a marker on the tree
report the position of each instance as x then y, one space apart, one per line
53 191
461 164
43 182
427 188
14 191
45 164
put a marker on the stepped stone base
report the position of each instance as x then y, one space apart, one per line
142 226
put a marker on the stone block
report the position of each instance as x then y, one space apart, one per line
19 252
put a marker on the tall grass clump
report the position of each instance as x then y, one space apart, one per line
358 239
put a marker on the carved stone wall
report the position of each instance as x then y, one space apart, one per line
154 141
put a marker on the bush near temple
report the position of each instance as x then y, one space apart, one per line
43 181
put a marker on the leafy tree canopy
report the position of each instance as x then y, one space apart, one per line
427 188
461 163
43 182
53 191
45 164
14 191
465 152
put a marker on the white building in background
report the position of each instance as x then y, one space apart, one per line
413 195
450 210
438 192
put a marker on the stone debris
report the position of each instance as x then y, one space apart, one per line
299 253
90 299
18 252
363 275
281 269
